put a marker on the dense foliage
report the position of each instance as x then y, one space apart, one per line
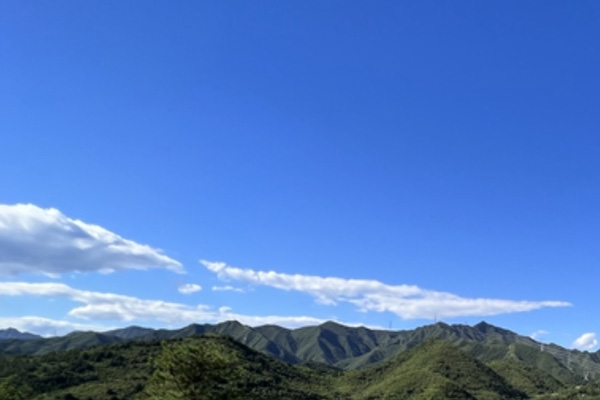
106 372
218 367
203 369
344 347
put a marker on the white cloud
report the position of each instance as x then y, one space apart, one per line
98 306
45 241
108 306
538 334
587 341
189 288
47 327
225 314
406 301
227 288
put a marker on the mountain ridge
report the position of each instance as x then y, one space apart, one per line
144 370
12 333
346 347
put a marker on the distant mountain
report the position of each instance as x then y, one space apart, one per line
74 340
132 332
353 348
12 333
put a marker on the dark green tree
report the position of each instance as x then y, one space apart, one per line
8 391
203 368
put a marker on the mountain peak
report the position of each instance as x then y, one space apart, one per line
484 327
12 333
331 324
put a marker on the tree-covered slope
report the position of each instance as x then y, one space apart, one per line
222 366
432 370
349 347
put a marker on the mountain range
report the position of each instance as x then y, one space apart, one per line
344 347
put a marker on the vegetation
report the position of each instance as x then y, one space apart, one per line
105 373
491 366
204 369
347 347
434 369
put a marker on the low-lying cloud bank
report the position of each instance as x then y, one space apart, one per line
117 309
45 241
48 327
406 301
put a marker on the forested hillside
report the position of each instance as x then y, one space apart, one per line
351 348
214 366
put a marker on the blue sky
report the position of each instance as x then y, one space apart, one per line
386 164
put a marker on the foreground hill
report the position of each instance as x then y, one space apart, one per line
434 369
146 370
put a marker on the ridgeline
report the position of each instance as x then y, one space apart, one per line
328 361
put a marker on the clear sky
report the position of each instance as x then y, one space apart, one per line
290 162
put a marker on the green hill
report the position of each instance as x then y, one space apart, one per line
127 371
526 378
432 370
349 348
140 370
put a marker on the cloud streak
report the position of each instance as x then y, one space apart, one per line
45 241
227 288
538 334
189 288
46 326
406 301
101 306
109 306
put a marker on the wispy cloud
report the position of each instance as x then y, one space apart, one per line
587 341
100 306
227 288
109 306
538 334
291 321
47 327
406 301
45 241
189 288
